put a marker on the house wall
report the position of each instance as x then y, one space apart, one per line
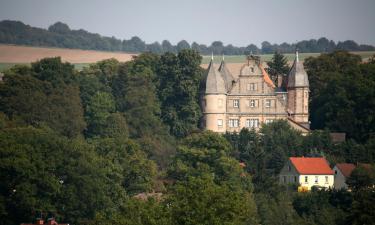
340 180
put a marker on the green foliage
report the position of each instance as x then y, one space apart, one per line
278 65
36 101
137 172
198 200
179 78
136 212
362 210
362 178
98 110
342 94
42 171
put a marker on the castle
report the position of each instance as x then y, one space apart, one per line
250 99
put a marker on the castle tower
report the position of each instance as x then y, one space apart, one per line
227 76
214 100
298 93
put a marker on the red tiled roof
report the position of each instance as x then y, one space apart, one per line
345 168
266 77
311 165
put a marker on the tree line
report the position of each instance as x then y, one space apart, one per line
85 145
60 35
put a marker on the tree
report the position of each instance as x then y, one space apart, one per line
98 110
361 178
278 66
341 90
43 171
201 201
167 46
182 45
179 78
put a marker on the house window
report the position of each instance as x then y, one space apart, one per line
284 178
251 87
253 103
326 178
268 121
220 102
253 123
268 103
289 168
316 179
295 179
233 123
236 103
220 123
252 69
306 179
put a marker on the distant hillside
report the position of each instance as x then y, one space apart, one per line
60 35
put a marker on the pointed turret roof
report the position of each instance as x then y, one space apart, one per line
297 75
227 76
215 83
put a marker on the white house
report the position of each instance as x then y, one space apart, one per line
307 172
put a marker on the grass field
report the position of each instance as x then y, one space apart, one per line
11 55
267 57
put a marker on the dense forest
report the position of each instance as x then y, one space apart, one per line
60 35
119 143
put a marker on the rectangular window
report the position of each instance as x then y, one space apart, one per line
306 179
252 103
252 123
284 178
326 178
236 103
268 121
233 123
316 179
295 179
220 123
251 87
267 104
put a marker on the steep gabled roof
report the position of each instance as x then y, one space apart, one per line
215 83
346 168
311 166
297 76
227 76
266 77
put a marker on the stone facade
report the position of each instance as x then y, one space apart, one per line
250 99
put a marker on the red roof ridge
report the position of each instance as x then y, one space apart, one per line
311 165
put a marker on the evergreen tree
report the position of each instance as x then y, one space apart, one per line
278 66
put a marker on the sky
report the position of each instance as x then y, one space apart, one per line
237 22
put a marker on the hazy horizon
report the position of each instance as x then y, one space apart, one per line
237 22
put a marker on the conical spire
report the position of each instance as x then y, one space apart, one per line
227 76
215 83
297 75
